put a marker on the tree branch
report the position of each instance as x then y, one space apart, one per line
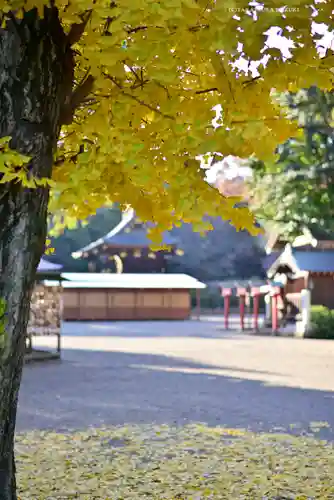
135 98
192 29
205 91
252 80
135 30
78 97
82 91
77 29
255 120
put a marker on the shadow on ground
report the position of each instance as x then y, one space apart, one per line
207 328
93 388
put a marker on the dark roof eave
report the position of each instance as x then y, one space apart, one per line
114 245
127 218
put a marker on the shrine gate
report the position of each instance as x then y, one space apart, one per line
249 305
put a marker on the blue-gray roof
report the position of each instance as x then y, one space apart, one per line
45 266
136 237
313 261
127 233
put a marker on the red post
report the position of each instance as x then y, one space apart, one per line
256 303
274 315
241 292
226 293
242 312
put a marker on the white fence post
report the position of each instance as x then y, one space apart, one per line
267 302
305 299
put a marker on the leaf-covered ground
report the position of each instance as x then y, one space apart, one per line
162 462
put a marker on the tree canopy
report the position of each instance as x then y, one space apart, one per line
147 80
297 191
223 254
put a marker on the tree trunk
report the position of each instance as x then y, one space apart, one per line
36 72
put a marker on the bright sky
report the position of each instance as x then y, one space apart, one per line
232 167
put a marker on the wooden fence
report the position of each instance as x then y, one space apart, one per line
106 304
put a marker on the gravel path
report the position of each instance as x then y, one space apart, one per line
179 372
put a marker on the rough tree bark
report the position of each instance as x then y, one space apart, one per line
36 75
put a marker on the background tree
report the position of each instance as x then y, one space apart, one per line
72 239
223 253
108 101
297 191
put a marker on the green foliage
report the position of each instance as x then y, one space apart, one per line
210 298
71 240
322 323
297 191
167 463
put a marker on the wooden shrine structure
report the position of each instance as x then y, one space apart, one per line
305 264
298 273
249 297
126 249
111 297
305 269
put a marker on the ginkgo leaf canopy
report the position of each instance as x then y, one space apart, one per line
159 71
